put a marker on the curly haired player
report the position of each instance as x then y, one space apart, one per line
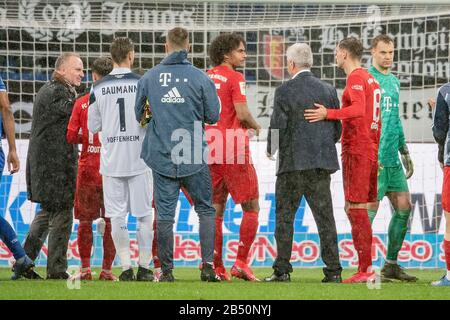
231 169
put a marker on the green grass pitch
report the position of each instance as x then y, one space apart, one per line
305 284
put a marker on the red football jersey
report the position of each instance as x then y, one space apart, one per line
77 132
360 115
230 86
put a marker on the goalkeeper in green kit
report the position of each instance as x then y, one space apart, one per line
391 177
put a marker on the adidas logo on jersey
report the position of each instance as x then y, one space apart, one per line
173 96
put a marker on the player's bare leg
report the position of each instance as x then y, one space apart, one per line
362 240
247 234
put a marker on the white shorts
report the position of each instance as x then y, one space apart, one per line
128 194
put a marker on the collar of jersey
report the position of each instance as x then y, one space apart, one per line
372 68
120 70
177 57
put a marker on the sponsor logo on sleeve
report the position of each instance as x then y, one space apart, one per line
242 87
358 87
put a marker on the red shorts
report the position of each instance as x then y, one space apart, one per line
88 203
446 190
359 178
239 180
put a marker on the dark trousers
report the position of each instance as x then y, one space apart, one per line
57 225
167 191
289 189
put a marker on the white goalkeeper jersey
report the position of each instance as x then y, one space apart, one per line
111 112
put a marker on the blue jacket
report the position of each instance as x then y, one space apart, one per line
441 124
182 99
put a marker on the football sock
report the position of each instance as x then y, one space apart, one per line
218 242
156 262
109 251
84 240
396 233
247 234
447 256
391 261
119 232
362 236
9 238
372 214
144 235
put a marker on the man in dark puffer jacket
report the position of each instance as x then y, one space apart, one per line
52 165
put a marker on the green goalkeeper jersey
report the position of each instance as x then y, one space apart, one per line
392 136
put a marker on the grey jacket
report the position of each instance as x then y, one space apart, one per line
182 99
441 124
51 168
303 145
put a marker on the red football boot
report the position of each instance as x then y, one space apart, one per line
107 276
222 273
242 271
82 275
361 277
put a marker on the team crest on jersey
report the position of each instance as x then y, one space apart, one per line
84 106
274 55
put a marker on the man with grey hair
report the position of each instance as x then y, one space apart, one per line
307 157
52 165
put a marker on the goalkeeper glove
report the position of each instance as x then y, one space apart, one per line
407 162
101 225
146 116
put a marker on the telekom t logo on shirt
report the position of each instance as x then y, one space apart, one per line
165 78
